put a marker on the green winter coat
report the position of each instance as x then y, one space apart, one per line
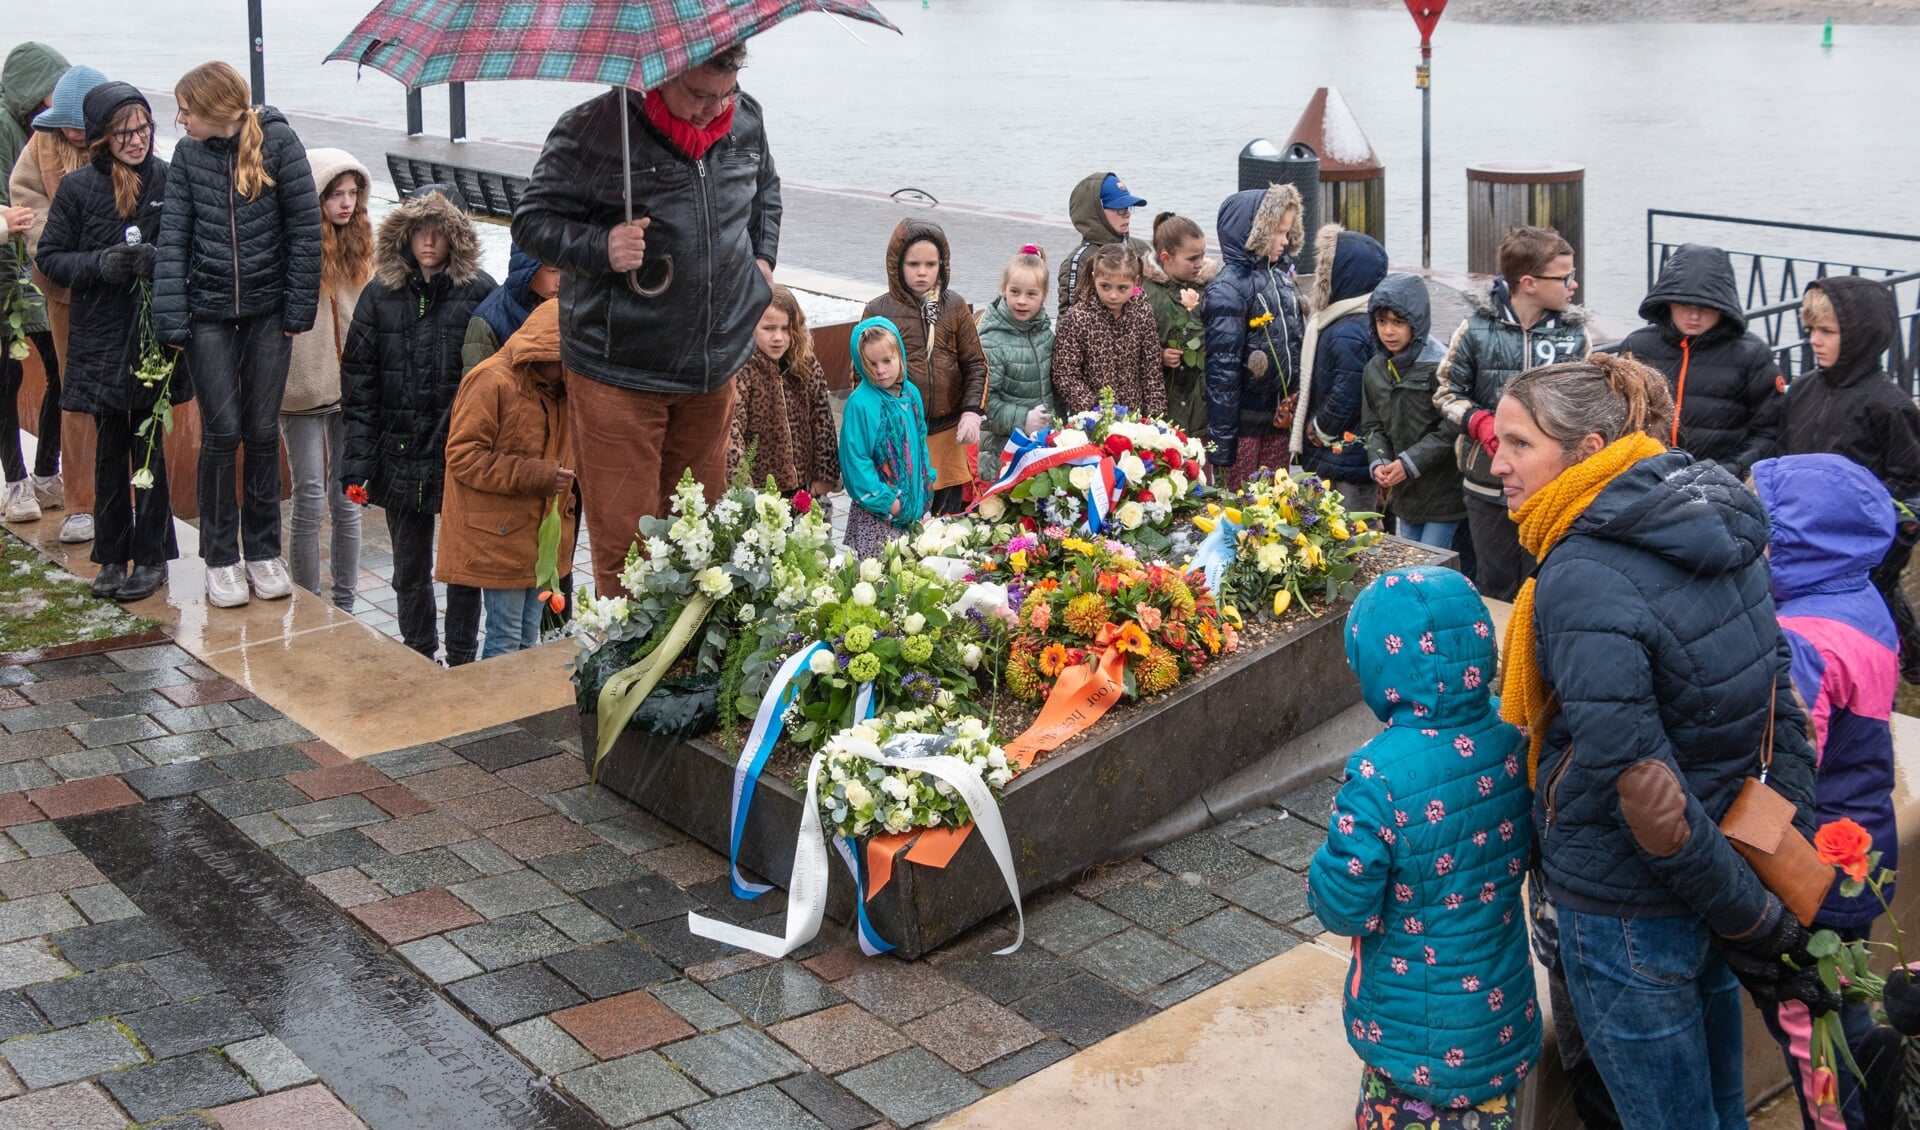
1398 419
26 79
1090 220
1187 384
1020 359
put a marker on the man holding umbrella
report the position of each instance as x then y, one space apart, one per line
658 302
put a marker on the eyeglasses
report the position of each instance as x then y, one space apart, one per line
702 98
129 136
1565 280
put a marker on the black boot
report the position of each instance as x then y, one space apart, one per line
142 583
107 585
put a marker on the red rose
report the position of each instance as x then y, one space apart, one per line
1172 457
1028 524
802 502
1118 445
1146 498
1192 468
1845 844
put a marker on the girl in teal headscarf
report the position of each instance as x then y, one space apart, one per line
883 441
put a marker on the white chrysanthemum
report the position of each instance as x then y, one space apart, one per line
971 655
824 594
1271 557
899 820
715 583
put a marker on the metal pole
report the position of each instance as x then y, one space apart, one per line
258 52
1423 78
457 111
416 113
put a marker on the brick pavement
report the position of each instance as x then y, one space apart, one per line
553 914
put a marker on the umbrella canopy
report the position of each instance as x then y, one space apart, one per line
632 43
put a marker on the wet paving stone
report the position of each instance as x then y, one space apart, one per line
590 805
1235 939
414 760
1068 923
163 781
627 1090
515 994
262 763
600 865
1207 855
329 852
641 901
82 798
840 1038
1082 1011
828 1101
64 872
418 833
25 962
17 1017
417 915
209 1022
481 811
622 1025
1181 988
1009 978
97 732
332 815
194 719
1136 960
183 747
515 748
203 691
910 1087
733 1059
40 914
695 1005
182 975
265 829
269 1063
776 992
438 959
76 1106
339 780
309 1108
397 1052
1274 893
1161 903
581 924
546 1045
682 949
543 836
94 996
126 702
176 1086
603 971
39 839
405 874
1312 803
548 775
69 1054
115 943
631 833
1290 843
973 1033
510 941
260 735
250 797
764 1108
97 762
1022 1064
515 892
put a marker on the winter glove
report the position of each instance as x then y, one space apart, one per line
1038 417
1257 364
1761 964
1903 1001
117 264
142 259
1480 427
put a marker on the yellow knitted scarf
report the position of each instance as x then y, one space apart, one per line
1544 520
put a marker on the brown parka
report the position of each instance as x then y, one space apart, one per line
950 372
508 436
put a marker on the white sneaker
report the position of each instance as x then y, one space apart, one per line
21 505
226 586
76 529
50 492
269 579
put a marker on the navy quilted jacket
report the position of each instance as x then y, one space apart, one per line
1655 626
1239 403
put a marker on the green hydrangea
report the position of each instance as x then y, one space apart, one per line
864 668
859 638
916 649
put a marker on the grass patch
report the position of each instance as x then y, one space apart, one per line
43 605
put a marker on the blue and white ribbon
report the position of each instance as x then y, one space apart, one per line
768 722
871 943
1217 553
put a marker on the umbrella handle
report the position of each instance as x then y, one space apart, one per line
658 289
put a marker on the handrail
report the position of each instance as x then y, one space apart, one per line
1790 226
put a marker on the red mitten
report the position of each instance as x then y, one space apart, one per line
1480 427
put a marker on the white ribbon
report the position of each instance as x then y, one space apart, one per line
807 889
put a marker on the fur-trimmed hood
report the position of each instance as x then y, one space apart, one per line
393 256
1347 264
1266 221
1152 272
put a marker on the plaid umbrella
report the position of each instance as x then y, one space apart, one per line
636 44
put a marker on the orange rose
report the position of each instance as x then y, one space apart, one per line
1845 844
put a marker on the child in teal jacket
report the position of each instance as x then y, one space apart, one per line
1425 857
883 441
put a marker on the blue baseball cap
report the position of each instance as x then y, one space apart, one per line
1114 194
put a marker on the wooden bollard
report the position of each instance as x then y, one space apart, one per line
1509 194
1353 182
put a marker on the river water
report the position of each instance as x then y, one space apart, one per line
1007 103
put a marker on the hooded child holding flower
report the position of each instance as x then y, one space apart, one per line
1175 281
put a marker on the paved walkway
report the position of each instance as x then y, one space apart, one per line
550 913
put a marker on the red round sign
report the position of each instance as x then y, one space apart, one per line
1426 14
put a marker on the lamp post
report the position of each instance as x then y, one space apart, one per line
1426 14
256 52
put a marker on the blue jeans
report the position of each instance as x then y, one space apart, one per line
513 620
1661 1014
1428 533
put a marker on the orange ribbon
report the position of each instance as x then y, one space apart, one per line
1080 696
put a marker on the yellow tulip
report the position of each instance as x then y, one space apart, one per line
1360 526
1206 524
1234 516
1338 529
1231 615
1281 601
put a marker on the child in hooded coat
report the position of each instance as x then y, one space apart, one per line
1338 345
1424 862
883 441
1101 208
1831 524
1254 318
1400 425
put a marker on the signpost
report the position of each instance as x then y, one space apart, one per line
1426 14
256 52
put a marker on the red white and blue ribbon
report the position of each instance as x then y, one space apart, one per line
1026 456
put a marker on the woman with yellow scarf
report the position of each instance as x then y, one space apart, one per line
1645 661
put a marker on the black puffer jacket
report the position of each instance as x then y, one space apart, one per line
1853 408
225 257
1726 387
1250 286
103 342
714 216
1655 627
401 366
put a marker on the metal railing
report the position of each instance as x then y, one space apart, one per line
487 193
1773 283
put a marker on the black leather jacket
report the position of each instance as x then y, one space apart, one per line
715 216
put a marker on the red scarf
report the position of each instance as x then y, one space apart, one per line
690 139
